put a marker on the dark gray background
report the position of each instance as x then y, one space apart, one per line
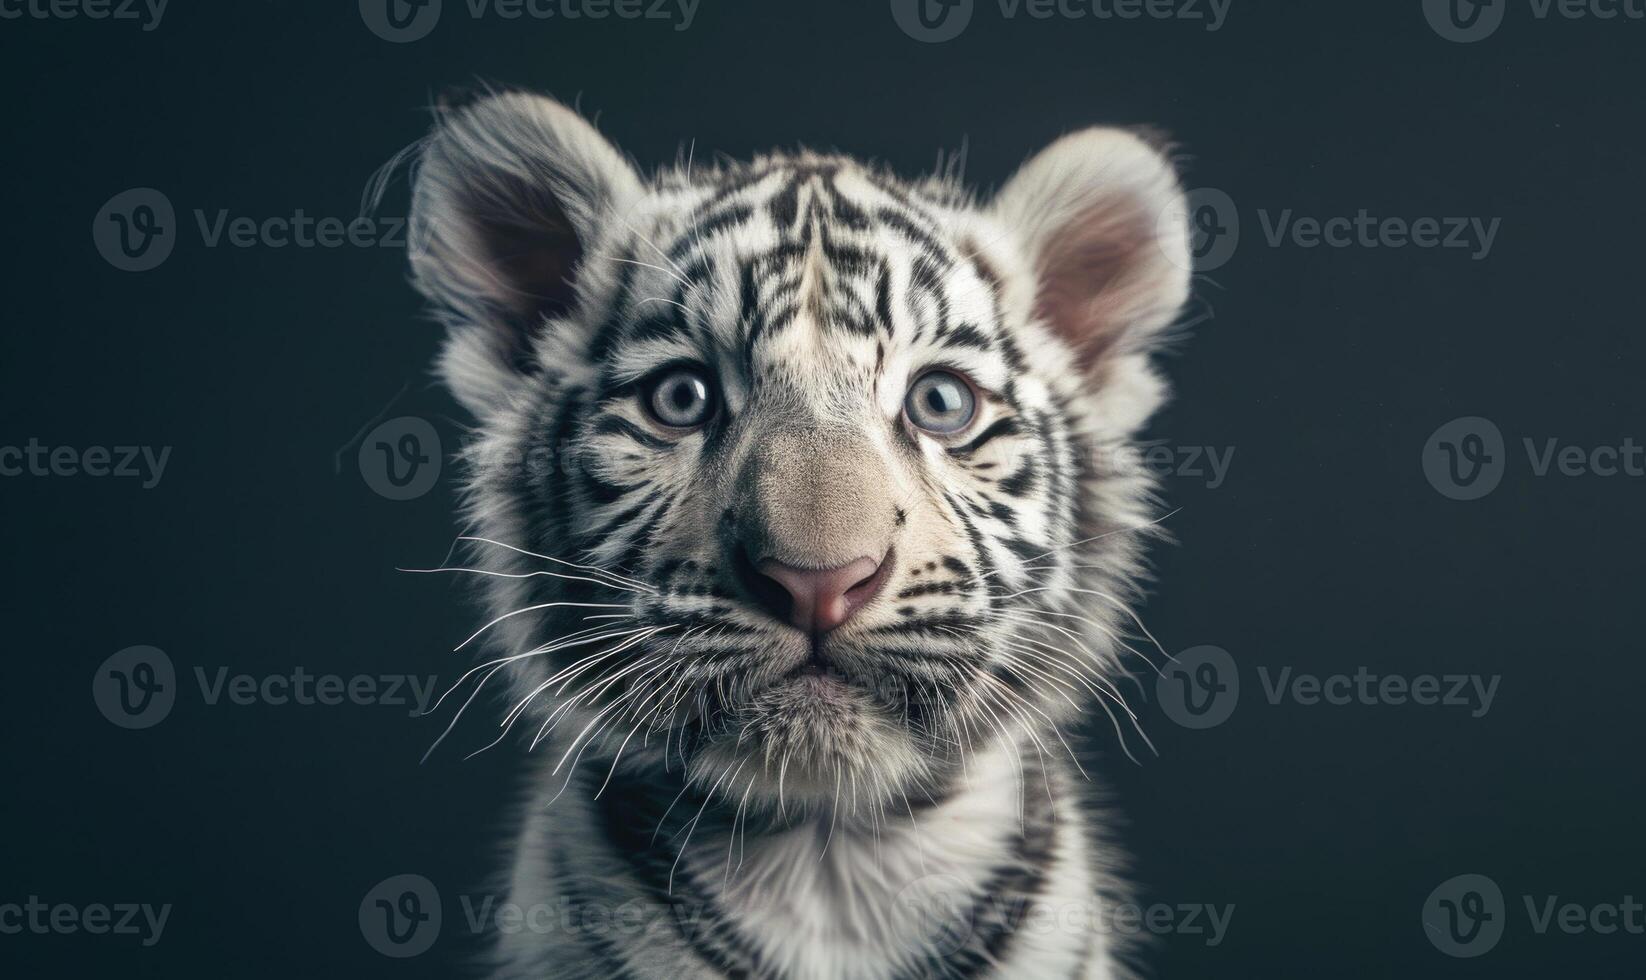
1326 549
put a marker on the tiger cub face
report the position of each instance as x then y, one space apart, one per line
793 476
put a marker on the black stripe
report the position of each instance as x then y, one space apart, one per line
606 337
1026 551
1002 512
748 312
928 588
935 626
1004 900
883 309
610 425
976 539
1024 480
640 545
597 534
629 813
602 492
611 961
845 213
1002 427
703 227
966 335
933 249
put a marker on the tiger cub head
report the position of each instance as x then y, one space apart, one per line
792 474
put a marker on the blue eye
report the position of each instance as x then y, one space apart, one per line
681 398
940 402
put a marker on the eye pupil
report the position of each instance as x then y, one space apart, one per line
941 402
680 398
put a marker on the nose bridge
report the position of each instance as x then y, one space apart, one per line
814 495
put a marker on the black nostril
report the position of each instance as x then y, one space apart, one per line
761 589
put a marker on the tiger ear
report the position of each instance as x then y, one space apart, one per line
511 192
1100 217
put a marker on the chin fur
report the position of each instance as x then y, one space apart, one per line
812 743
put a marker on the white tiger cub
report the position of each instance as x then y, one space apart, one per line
804 533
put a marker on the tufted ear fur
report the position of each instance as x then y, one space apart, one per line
511 192
1100 216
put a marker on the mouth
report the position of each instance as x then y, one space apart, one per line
816 674
821 684
820 677
816 697
836 678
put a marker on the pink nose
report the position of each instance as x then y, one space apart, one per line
821 599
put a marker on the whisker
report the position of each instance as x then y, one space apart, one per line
543 605
644 265
626 580
456 717
1084 541
535 652
515 575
